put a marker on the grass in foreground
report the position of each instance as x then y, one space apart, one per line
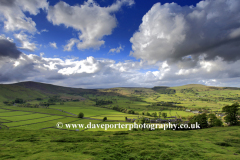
214 143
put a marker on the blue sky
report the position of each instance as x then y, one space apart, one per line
114 43
128 19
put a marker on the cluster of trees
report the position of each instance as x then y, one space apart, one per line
75 100
124 110
214 121
231 113
28 105
164 90
130 111
103 102
188 90
211 120
8 103
17 100
22 103
46 104
136 91
154 114
136 99
206 121
54 99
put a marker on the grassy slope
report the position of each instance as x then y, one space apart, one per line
32 90
187 99
11 92
53 89
184 145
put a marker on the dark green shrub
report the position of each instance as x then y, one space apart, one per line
80 115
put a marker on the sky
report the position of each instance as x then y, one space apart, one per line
120 43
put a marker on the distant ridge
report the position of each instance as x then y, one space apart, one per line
53 89
30 90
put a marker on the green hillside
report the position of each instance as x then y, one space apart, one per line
11 92
207 144
53 89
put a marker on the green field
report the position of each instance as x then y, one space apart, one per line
29 132
46 124
116 117
216 144
25 117
89 111
33 110
14 113
27 122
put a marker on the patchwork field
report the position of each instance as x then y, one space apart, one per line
89 111
33 110
13 113
174 113
31 121
26 117
30 132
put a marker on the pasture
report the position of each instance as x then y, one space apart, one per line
217 144
89 111
33 110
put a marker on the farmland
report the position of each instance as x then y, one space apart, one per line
143 102
31 124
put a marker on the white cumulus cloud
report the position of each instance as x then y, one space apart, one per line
92 21
12 13
172 32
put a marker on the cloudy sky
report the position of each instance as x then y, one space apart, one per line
120 43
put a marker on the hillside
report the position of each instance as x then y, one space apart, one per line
10 92
200 88
188 96
54 89
217 144
28 130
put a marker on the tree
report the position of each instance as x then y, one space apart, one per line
80 115
154 114
105 118
8 103
200 119
231 113
211 119
142 121
130 111
19 100
218 123
214 121
159 114
164 115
